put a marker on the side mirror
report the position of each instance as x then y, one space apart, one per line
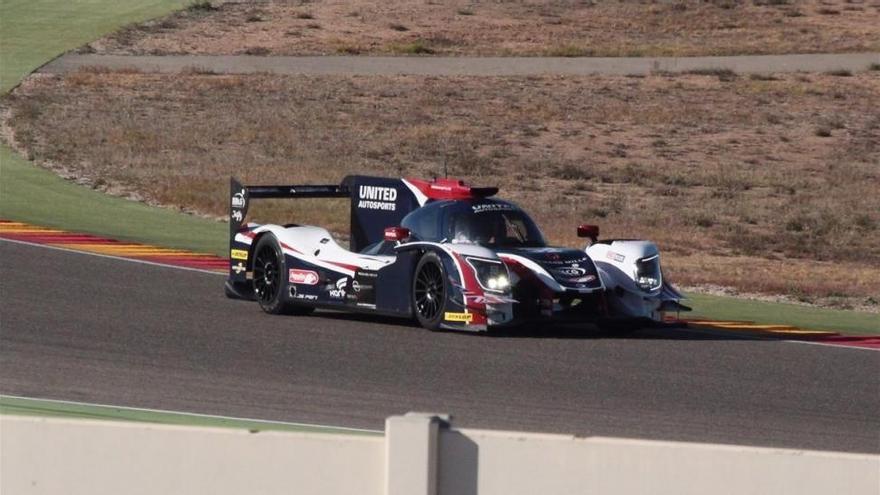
589 231
396 234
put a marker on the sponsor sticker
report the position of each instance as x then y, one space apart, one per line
465 317
484 207
238 199
239 268
611 255
488 299
361 288
338 291
237 216
377 198
238 254
588 278
557 259
302 277
571 271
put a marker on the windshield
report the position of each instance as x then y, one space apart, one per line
492 225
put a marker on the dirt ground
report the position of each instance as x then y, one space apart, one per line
765 184
538 27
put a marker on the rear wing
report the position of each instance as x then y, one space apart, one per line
376 203
241 196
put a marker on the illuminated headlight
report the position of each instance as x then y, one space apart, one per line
648 276
648 283
498 283
491 274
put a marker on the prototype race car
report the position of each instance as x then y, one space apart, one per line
449 255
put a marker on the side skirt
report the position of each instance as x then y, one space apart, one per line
343 308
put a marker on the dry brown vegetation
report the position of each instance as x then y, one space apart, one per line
729 174
537 27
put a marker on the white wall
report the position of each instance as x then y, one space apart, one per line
70 457
511 463
419 455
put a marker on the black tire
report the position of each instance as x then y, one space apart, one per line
429 291
269 270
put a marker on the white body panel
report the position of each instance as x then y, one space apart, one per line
616 262
315 245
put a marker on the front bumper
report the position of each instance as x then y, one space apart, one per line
562 307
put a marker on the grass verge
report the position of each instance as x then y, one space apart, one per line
18 406
33 195
810 318
34 31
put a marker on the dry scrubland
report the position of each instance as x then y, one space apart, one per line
558 28
766 184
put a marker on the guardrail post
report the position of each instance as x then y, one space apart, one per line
411 452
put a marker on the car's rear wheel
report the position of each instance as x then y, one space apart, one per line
269 271
429 291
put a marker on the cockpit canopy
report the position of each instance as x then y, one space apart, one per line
487 222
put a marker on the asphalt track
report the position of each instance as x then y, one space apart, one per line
96 329
463 66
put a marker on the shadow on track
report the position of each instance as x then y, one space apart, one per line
557 331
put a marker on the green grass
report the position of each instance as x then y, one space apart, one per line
37 196
731 308
33 32
37 407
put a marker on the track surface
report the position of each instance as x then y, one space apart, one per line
85 328
463 66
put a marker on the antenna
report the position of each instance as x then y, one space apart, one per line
445 171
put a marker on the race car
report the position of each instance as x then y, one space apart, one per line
449 255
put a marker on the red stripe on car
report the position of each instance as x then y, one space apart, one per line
472 286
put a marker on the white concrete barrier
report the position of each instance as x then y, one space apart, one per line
411 453
72 457
419 455
509 463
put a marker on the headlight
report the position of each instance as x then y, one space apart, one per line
498 283
648 276
491 274
648 283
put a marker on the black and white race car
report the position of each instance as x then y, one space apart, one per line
442 252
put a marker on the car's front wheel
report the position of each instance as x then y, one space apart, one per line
429 291
269 271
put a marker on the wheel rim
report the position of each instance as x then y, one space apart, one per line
429 291
267 275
